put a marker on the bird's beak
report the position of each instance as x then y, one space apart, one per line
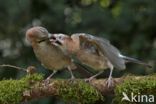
58 42
44 39
54 40
52 37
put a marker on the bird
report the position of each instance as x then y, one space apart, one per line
50 56
96 52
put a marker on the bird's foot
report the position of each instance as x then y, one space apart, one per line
93 77
110 82
47 81
72 79
88 80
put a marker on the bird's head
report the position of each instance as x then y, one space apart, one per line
60 39
65 42
37 34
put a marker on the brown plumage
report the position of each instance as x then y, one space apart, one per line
94 52
48 54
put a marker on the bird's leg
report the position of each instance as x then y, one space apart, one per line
51 75
47 80
94 76
110 82
71 73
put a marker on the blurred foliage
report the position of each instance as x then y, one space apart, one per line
129 24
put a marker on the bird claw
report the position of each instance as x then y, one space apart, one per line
46 81
110 82
72 79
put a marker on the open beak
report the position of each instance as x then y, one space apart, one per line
50 37
58 42
54 41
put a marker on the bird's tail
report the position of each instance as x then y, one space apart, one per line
129 59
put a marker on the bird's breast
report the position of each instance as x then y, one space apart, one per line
51 57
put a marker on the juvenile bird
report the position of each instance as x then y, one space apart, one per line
95 52
48 54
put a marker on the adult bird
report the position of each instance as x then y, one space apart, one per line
48 54
95 52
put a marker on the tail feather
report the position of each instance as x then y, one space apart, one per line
129 59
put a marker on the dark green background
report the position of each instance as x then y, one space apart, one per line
129 24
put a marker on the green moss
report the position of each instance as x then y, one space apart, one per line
138 85
79 91
11 90
33 77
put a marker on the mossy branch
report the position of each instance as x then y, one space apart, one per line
32 86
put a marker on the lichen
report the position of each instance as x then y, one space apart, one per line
11 90
79 91
138 85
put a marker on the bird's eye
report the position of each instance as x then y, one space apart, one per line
60 37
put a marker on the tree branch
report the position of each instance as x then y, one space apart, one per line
12 66
33 86
54 87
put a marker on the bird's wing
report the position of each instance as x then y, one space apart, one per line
104 46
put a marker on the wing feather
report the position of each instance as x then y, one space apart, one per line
104 46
